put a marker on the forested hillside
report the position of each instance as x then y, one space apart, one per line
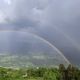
41 73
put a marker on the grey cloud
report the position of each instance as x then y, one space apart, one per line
46 18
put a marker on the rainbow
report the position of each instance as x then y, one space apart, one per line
74 43
42 39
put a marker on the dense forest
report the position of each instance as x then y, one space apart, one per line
41 73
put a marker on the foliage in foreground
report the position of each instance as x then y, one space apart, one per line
40 73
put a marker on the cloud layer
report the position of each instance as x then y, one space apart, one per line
58 21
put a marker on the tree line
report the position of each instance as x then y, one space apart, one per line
69 73
41 73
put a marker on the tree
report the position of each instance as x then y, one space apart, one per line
71 72
62 71
49 75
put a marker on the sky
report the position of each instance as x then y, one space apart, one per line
57 21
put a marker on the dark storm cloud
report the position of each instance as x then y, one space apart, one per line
50 19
